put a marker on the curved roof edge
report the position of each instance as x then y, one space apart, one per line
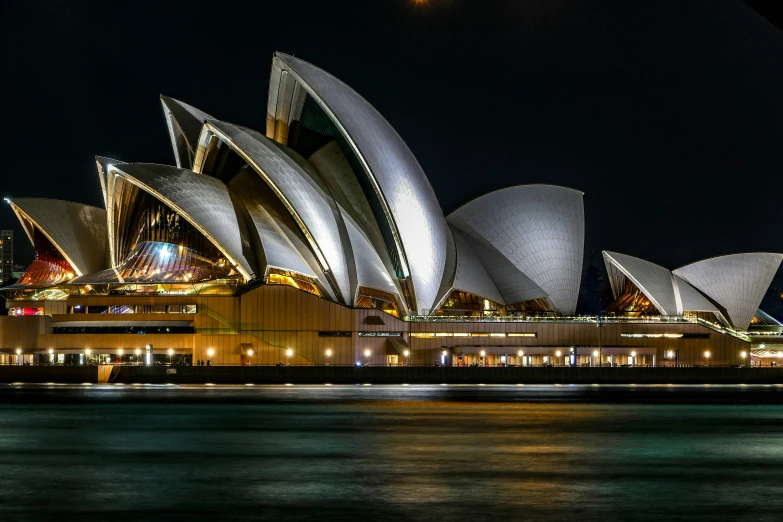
521 185
102 163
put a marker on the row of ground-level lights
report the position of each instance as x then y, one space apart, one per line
367 353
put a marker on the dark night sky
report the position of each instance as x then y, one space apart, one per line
667 114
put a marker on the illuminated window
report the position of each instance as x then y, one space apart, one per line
294 279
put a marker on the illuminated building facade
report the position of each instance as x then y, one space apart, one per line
6 255
321 241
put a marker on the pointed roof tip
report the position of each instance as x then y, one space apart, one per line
106 159
779 255
617 256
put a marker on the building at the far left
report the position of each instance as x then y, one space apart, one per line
6 255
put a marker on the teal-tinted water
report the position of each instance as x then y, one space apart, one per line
377 453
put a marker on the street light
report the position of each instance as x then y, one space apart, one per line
171 353
51 356
367 354
405 354
707 355
289 353
18 353
558 354
328 354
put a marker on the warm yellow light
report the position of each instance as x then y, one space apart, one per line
210 352
633 354
138 352
18 351
51 352
595 353
289 352
88 351
119 352
406 353
558 353
743 354
367 353
171 352
250 352
780 355
707 354
520 353
444 352
329 352
483 353
671 354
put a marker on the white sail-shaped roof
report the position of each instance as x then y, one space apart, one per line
77 231
472 277
538 228
307 200
205 202
410 209
184 123
737 282
654 280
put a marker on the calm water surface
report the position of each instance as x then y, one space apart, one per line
610 453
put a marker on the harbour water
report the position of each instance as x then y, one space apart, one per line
609 453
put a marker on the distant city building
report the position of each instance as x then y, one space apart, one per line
321 241
6 255
18 271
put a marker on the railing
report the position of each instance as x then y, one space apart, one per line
658 319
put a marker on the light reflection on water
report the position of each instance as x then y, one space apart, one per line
390 452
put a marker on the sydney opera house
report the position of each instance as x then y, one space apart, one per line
320 241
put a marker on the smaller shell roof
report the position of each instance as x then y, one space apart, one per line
540 229
654 280
78 231
737 282
204 201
